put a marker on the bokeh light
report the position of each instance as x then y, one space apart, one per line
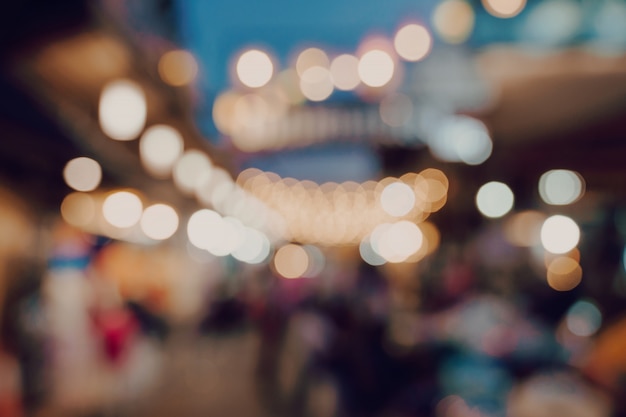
224 111
122 110
160 147
288 81
213 185
453 20
583 318
291 261
413 42
201 227
122 209
178 68
396 242
559 234
339 214
317 261
254 249
254 68
376 68
397 199
524 229
564 273
561 187
345 72
494 199
250 116
316 83
309 58
369 255
227 235
432 239
82 174
159 221
504 8
78 209
461 139
189 169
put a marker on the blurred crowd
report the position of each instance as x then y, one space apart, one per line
443 337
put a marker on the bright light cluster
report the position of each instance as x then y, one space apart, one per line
401 241
337 214
373 66
222 236
317 75
120 214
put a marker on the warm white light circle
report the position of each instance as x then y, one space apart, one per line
504 8
494 199
376 68
78 209
200 228
345 73
160 147
453 20
316 83
82 174
122 209
230 236
122 110
254 247
397 199
399 241
159 221
189 169
413 42
309 58
291 261
560 187
559 234
213 186
254 68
